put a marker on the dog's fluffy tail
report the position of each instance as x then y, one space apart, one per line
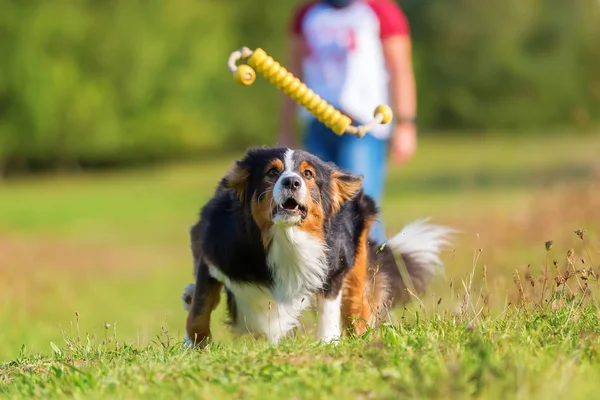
411 259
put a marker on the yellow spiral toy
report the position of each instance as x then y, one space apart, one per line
258 60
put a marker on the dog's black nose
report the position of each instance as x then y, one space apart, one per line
291 182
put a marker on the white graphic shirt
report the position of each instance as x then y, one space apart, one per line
345 64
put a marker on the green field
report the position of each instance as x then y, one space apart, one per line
113 249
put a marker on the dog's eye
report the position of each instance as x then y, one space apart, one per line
273 172
308 174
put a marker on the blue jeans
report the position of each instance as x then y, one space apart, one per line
366 156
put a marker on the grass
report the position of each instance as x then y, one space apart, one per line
113 249
515 356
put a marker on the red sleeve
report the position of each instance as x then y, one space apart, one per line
298 16
392 20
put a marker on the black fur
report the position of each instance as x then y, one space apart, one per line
229 237
342 238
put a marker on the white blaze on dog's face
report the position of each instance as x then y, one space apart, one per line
290 188
290 192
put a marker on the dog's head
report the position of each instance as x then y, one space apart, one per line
284 187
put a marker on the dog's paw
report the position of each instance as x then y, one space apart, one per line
199 345
331 341
187 343
330 338
186 297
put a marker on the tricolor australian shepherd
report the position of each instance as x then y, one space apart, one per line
285 230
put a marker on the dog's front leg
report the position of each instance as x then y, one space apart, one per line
329 316
204 301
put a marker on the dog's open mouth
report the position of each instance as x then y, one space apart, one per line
291 207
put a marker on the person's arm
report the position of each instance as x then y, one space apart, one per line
396 41
398 54
296 51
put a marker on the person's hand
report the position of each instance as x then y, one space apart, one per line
404 143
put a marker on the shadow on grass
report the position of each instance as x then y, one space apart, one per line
448 182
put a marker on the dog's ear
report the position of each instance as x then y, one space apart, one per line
237 180
344 186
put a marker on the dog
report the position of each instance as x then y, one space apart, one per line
285 230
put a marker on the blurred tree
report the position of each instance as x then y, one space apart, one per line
114 82
507 64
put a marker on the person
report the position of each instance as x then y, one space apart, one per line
355 54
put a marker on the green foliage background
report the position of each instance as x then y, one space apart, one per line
112 82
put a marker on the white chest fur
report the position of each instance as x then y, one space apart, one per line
297 261
299 268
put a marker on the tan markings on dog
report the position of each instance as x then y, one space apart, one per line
263 203
313 224
305 166
343 188
262 211
198 320
275 163
356 305
237 180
